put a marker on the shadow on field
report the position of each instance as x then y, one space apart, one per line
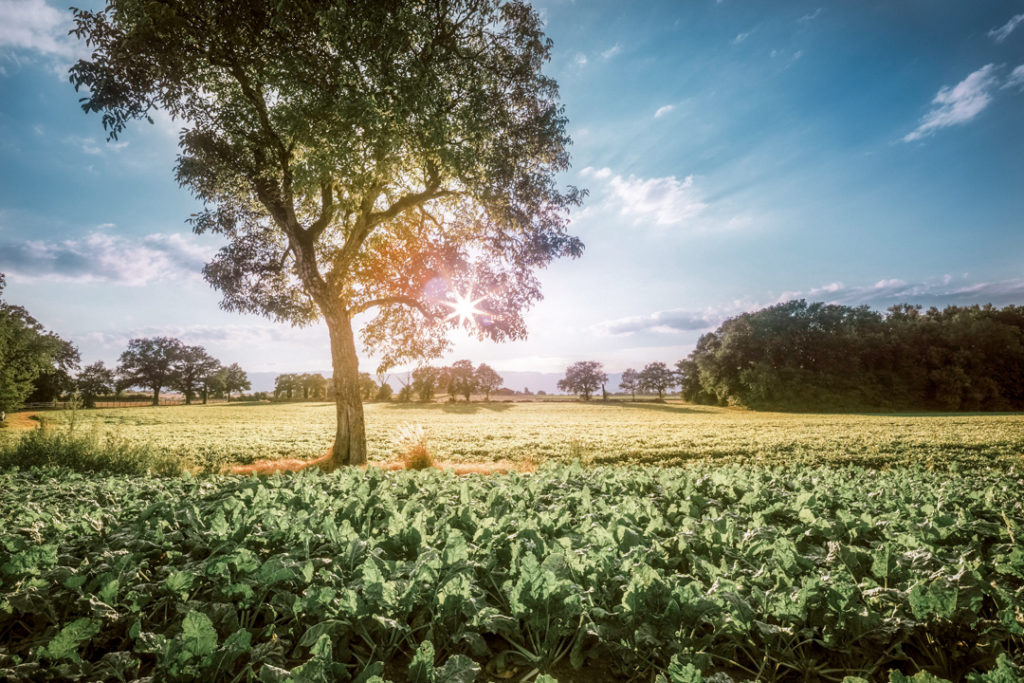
651 405
450 407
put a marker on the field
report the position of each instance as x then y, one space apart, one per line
209 437
768 547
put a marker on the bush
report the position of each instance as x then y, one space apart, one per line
47 447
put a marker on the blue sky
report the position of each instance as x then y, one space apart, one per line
737 154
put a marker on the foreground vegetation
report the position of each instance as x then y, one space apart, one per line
209 437
810 573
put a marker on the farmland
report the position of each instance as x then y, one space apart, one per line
768 546
208 437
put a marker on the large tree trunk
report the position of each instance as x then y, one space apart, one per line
350 437
156 396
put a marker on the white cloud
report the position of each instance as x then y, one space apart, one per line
91 146
667 200
958 104
612 51
740 37
580 59
664 110
1001 33
101 257
36 27
1016 78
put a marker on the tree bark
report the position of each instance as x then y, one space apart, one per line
350 437
156 396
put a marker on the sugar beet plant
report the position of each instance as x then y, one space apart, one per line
674 575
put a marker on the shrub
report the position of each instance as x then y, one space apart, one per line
411 441
47 447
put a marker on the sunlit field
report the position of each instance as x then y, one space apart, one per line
616 432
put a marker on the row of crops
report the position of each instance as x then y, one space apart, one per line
682 575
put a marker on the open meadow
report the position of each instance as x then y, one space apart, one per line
616 432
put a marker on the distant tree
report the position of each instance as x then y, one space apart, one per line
314 385
630 381
688 377
284 385
150 363
367 387
26 351
214 384
487 380
94 381
190 370
235 379
424 381
405 393
383 392
657 377
353 154
583 378
463 378
444 382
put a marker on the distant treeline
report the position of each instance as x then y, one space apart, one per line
817 356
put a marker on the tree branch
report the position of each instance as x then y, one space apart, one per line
327 211
387 300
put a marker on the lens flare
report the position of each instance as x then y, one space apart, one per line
464 308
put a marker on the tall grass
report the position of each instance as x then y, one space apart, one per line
91 452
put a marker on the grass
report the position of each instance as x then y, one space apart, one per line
91 452
215 436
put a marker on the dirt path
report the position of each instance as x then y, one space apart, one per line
21 421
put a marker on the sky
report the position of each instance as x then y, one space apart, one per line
736 153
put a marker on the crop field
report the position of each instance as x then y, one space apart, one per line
766 547
209 437
597 574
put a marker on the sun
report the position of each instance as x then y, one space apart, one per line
464 308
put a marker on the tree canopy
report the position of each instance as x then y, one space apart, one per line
367 156
583 378
821 356
27 351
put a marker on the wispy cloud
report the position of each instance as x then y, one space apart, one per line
664 110
1015 79
666 201
740 37
662 322
958 104
811 16
946 291
1001 33
580 59
612 51
101 257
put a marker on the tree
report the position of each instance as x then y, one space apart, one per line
94 381
285 385
314 386
58 379
151 363
214 383
235 379
191 369
630 381
367 387
462 380
487 380
27 351
424 381
657 377
583 378
384 392
358 156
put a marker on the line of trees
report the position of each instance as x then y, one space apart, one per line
39 366
797 355
586 377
